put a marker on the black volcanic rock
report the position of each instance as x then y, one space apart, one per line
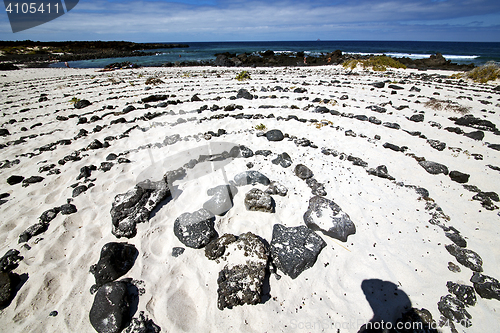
10 260
67 209
142 325
486 286
34 230
6 288
274 135
257 200
283 159
134 207
96 144
295 249
454 309
380 171
241 281
243 93
326 216
466 257
154 98
436 144
303 172
115 261
478 123
464 293
81 104
459 177
110 312
433 168
378 84
251 177
12 180
32 180
222 199
418 118
476 135
195 229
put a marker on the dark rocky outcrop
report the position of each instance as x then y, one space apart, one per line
436 144
115 261
326 216
217 247
378 84
295 249
195 229
134 207
154 98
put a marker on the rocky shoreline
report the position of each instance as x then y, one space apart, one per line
42 54
272 59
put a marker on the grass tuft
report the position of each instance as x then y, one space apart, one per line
260 127
440 105
242 76
488 72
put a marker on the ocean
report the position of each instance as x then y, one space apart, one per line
477 53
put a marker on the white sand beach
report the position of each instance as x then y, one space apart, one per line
334 122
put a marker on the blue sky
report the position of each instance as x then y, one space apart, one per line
256 20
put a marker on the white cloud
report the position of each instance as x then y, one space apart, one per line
258 18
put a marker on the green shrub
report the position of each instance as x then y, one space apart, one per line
485 73
74 100
260 127
244 75
377 63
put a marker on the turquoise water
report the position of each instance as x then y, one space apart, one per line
458 52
